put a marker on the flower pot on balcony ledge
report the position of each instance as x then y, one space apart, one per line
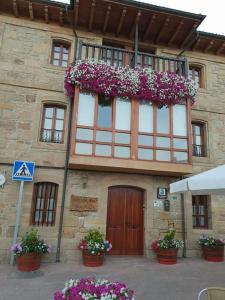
215 254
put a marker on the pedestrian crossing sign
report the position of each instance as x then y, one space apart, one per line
23 170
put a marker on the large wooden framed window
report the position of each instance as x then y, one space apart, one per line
53 124
44 204
196 73
200 211
198 139
60 54
130 129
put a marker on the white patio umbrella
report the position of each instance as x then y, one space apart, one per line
209 182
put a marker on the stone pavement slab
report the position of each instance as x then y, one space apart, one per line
150 280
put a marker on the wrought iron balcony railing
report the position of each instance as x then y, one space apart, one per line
199 150
52 136
122 57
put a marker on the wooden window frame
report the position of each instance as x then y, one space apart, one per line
61 45
199 69
203 144
53 130
133 133
197 200
46 189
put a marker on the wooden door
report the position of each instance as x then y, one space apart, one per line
125 220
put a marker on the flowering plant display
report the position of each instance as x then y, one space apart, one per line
94 243
167 242
162 88
210 241
93 289
31 243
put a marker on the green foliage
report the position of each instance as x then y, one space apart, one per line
94 235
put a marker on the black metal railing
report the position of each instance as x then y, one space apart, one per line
52 136
122 57
199 150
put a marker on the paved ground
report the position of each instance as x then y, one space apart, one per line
150 280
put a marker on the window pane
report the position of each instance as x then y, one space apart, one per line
104 111
145 117
163 142
59 124
202 221
122 138
57 136
162 155
180 156
197 129
49 112
145 140
103 150
197 140
64 63
56 49
46 135
60 113
56 55
194 220
123 114
48 124
180 143
104 136
82 148
56 62
146 154
122 152
65 50
86 110
65 57
84 134
179 120
163 120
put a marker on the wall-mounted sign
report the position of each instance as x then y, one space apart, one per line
167 205
79 203
157 203
162 193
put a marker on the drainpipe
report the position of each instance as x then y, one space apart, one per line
184 235
66 168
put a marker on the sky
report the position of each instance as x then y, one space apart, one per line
214 9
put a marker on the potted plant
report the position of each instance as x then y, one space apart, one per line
91 288
212 248
166 248
29 251
93 248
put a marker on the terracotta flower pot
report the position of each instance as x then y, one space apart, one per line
167 256
92 260
28 262
213 254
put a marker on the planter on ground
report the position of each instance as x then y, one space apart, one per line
28 262
215 254
92 260
167 256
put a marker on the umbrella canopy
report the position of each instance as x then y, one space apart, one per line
209 182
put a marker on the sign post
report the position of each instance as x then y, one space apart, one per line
22 171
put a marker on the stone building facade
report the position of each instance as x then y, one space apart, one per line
29 82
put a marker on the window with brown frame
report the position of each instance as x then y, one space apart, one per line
200 211
198 139
53 124
60 54
44 204
130 129
195 73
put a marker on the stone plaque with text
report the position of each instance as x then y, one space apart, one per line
79 203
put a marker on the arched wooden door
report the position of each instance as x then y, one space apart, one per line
125 220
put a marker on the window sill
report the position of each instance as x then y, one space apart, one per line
50 146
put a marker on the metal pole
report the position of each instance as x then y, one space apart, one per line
183 225
18 209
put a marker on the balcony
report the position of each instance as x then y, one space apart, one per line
121 57
199 150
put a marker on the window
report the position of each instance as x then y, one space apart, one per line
123 128
53 124
200 211
198 139
195 73
44 204
60 54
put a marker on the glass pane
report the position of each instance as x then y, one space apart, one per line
201 210
122 152
194 221
65 50
162 155
60 113
82 148
48 124
163 124
56 55
56 49
103 150
49 112
46 135
64 63
198 140
56 62
197 130
180 156
163 142
65 57
122 138
84 134
146 154
145 140
104 111
145 117
59 124
180 143
104 136
48 218
123 114
202 221
179 120
86 110
58 136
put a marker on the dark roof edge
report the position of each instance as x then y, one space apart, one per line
52 3
211 35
